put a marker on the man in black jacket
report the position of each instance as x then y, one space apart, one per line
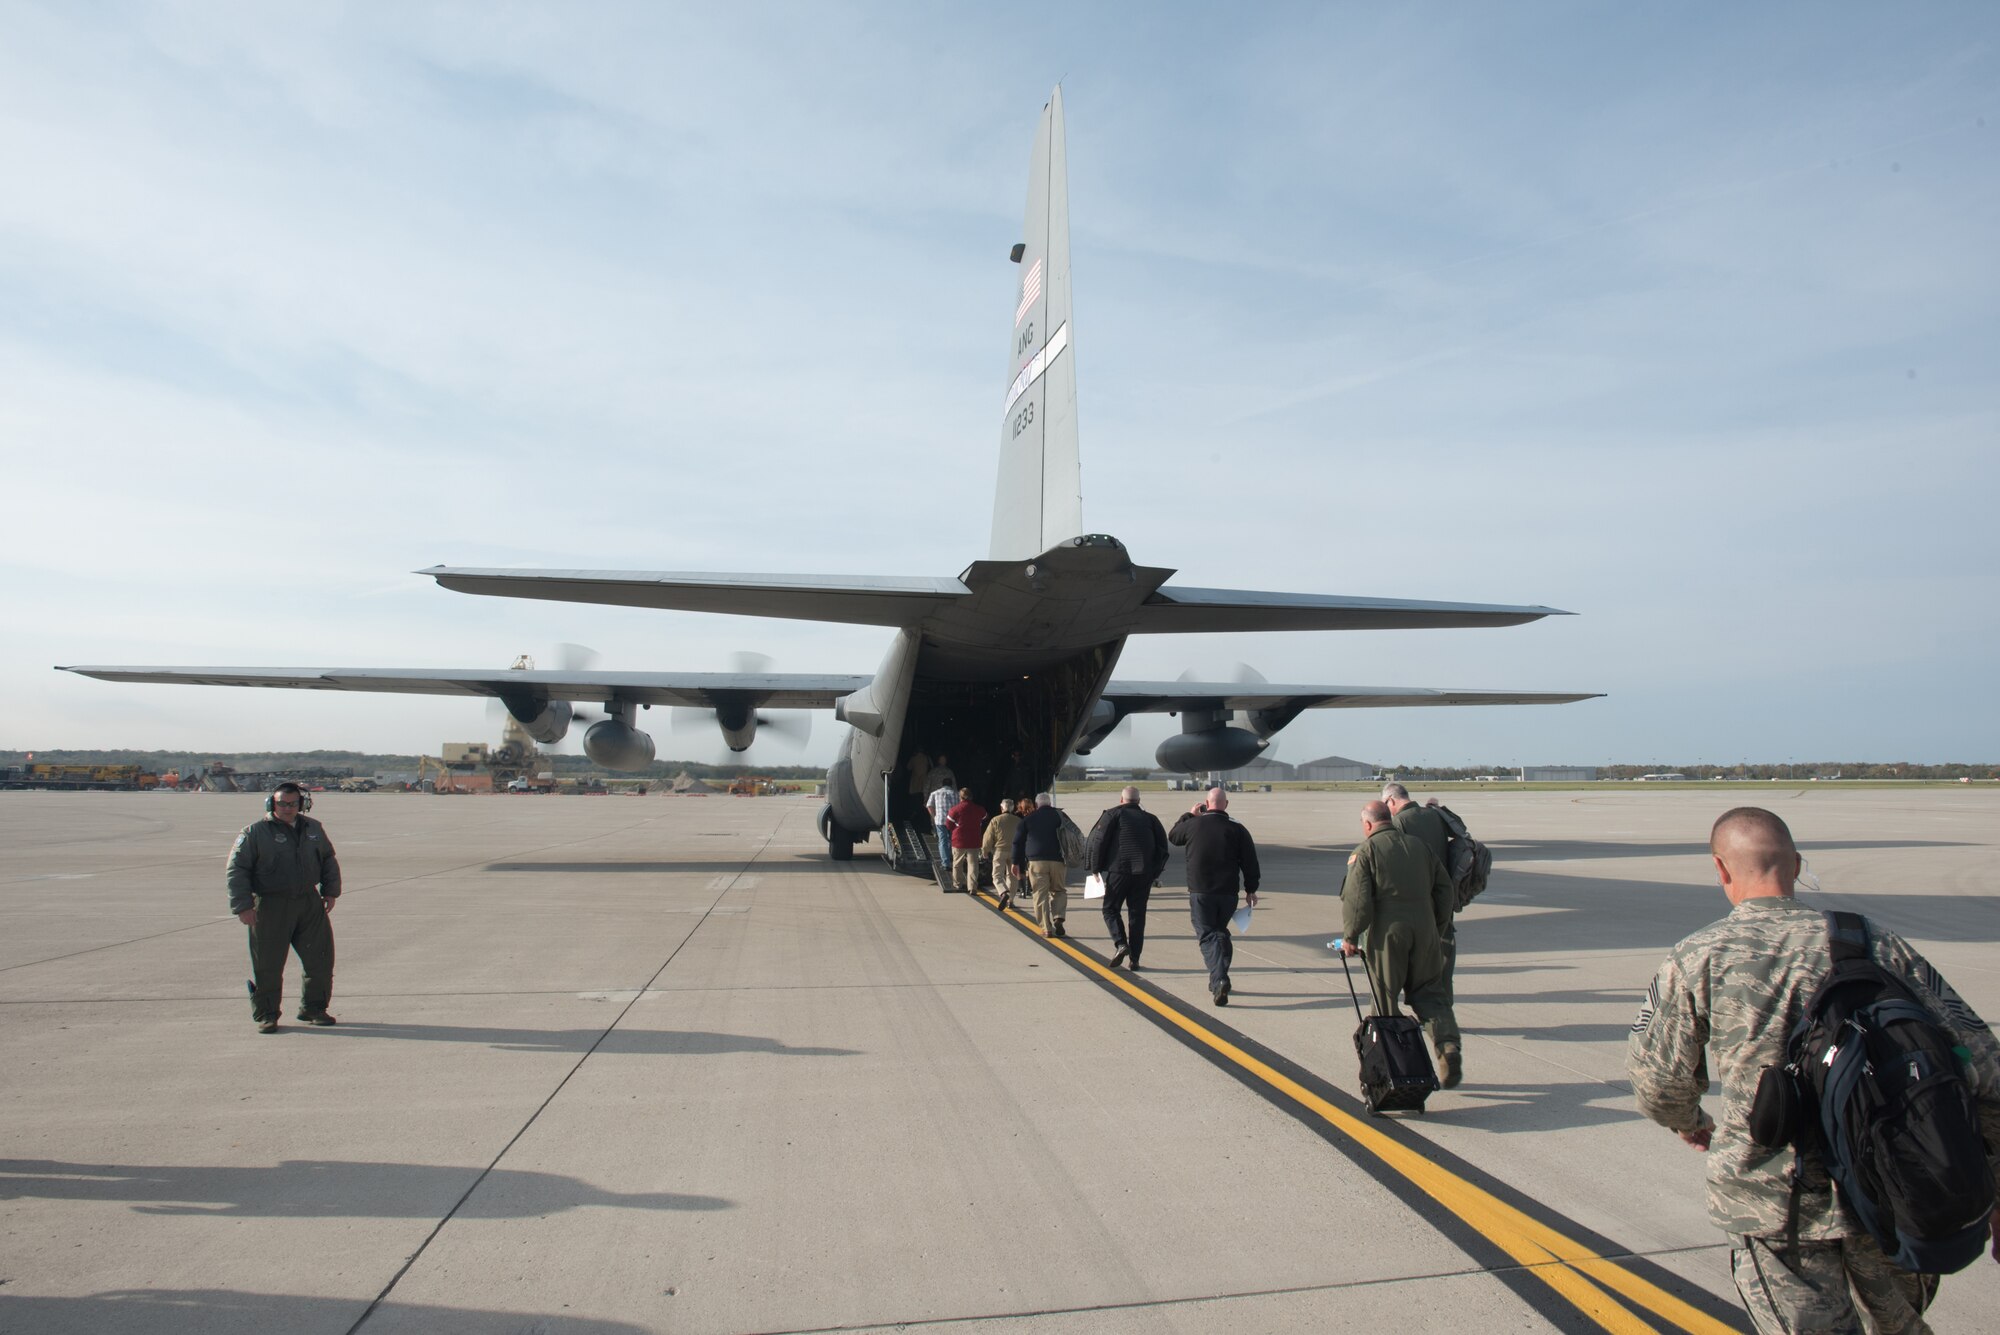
1220 856
1128 847
1038 862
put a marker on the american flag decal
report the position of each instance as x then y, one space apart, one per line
1031 289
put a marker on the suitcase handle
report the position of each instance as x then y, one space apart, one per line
1350 983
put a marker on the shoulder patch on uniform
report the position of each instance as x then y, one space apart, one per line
1353 858
1960 1015
1647 1007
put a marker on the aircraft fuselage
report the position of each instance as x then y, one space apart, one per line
1019 665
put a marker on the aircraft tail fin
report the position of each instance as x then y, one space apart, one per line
1038 500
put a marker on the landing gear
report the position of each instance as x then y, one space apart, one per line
839 843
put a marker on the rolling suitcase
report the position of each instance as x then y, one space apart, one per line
1396 1070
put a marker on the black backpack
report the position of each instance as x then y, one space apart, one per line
1875 1083
1467 861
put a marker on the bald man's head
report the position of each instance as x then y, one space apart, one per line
1754 850
1375 813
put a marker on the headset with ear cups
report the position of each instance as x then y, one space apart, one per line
271 800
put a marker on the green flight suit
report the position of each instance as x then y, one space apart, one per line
287 873
1427 828
1395 899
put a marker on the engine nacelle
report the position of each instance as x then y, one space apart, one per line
738 724
1211 749
1104 716
617 745
547 721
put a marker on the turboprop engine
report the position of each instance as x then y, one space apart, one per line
615 744
1104 716
547 721
1220 739
739 725
1216 748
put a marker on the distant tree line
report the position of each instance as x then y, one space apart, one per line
373 762
571 766
1855 769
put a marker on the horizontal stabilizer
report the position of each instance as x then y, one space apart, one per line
1173 610
856 600
781 690
1174 697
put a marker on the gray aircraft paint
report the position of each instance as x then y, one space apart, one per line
1026 639
1038 495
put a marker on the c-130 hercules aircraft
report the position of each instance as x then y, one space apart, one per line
1014 654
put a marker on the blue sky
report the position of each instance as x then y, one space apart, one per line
1683 319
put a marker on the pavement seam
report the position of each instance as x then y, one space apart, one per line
1465 1203
230 917
1185 1300
542 1107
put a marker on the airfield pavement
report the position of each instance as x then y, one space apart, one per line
612 1064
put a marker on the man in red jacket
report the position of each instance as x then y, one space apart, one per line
967 821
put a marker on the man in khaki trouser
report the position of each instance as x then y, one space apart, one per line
967 821
998 845
1038 857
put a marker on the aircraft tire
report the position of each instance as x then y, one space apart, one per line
839 843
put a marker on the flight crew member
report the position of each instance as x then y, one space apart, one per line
1424 825
967 820
1393 905
920 774
998 845
1735 987
1038 859
1221 855
942 799
1128 847
283 880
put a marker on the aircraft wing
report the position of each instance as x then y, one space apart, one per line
1179 610
857 600
708 690
1174 697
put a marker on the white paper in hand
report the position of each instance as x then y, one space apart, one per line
1239 922
1093 886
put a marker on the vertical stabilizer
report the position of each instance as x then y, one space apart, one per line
1038 501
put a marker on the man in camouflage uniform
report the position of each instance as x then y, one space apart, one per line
1424 825
1736 987
1394 902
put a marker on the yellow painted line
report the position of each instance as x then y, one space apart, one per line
1565 1265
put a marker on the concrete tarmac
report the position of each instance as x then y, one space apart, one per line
610 1064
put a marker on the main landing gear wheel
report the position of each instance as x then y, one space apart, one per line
839 843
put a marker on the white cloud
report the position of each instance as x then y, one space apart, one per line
1689 331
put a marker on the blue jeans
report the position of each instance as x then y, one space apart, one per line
944 844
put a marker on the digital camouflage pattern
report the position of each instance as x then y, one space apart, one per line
1736 988
1818 1294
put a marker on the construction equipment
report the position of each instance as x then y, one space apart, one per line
78 778
754 785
